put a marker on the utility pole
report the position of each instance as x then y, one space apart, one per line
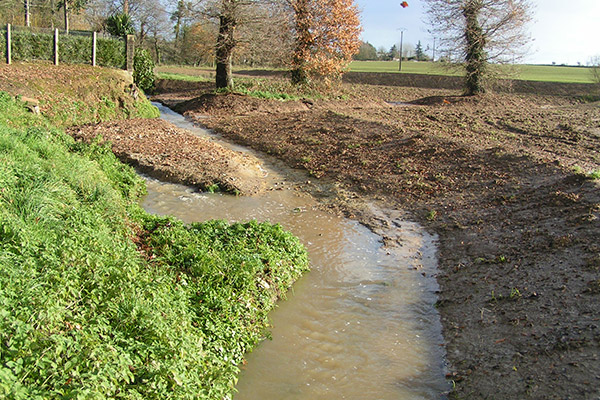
433 54
401 40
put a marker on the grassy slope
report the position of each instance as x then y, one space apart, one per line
99 299
75 94
546 73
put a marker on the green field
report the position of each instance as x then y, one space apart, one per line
545 73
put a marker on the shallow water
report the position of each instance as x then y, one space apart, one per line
360 325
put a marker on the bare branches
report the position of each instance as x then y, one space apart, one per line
480 31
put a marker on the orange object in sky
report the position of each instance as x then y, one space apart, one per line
404 4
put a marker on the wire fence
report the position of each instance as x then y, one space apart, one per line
18 43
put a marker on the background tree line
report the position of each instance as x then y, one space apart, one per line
312 38
368 52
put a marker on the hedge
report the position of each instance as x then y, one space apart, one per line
73 49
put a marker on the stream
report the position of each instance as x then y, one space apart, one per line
360 325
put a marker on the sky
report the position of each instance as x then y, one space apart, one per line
563 31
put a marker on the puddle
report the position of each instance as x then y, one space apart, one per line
360 325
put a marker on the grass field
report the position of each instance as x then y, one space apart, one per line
546 73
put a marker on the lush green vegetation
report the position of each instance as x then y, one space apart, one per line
73 49
555 73
143 70
547 73
100 300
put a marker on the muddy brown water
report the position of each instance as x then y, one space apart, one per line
360 325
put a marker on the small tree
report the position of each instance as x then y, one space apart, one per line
326 35
419 54
143 70
119 25
477 32
394 53
366 52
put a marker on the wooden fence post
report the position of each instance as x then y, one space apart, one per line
56 46
8 44
93 49
129 48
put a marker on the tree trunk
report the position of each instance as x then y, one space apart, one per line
52 13
476 40
126 7
143 33
27 14
303 42
225 45
157 50
66 8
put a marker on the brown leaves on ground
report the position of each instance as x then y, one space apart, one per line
166 152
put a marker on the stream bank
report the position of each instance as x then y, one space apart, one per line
493 177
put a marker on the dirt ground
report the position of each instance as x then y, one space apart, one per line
502 179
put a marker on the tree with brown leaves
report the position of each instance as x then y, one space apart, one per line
327 35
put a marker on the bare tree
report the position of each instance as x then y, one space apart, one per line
478 32
231 14
265 37
69 7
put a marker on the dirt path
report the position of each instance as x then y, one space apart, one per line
519 256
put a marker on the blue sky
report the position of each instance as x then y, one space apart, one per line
564 31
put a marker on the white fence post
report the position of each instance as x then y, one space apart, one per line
8 44
56 46
93 49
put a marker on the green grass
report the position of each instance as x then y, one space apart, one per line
101 300
183 77
546 73
551 73
408 67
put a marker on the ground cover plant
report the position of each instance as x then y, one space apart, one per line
99 299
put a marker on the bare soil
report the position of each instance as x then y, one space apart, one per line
494 177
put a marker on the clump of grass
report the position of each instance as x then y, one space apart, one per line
102 300
594 175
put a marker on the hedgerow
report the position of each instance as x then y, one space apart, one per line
73 49
99 299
